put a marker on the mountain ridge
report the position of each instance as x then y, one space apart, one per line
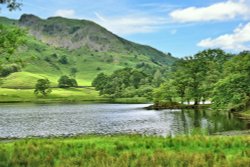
74 34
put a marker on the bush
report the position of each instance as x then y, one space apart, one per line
66 82
63 60
8 69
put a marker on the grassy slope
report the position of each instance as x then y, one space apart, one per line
127 151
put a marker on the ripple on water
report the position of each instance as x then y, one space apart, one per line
56 120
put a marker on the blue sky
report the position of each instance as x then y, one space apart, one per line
181 27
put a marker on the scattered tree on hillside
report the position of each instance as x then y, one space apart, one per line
43 87
63 60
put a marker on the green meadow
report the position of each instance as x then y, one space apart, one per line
58 95
128 150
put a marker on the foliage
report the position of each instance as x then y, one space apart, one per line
233 89
43 87
125 82
130 150
194 78
166 91
210 74
10 39
63 60
66 82
11 4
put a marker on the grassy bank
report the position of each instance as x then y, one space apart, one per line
127 151
57 95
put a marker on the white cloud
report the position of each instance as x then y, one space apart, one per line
217 12
68 13
131 24
237 41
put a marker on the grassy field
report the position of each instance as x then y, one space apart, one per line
123 151
57 95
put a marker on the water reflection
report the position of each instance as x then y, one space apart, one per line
47 120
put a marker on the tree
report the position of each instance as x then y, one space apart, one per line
66 82
43 87
100 81
166 92
232 92
157 79
11 4
10 39
194 78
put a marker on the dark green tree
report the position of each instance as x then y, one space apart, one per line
100 82
66 82
43 87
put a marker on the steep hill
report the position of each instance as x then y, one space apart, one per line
57 46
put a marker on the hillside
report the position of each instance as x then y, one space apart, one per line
57 45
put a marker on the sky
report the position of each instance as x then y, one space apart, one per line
181 27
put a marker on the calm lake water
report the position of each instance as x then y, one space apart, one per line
72 119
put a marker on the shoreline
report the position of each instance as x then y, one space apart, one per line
81 135
171 106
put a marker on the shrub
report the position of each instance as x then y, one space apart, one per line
63 60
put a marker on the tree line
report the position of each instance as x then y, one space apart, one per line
126 83
211 74
43 86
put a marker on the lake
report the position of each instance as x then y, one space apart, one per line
22 120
